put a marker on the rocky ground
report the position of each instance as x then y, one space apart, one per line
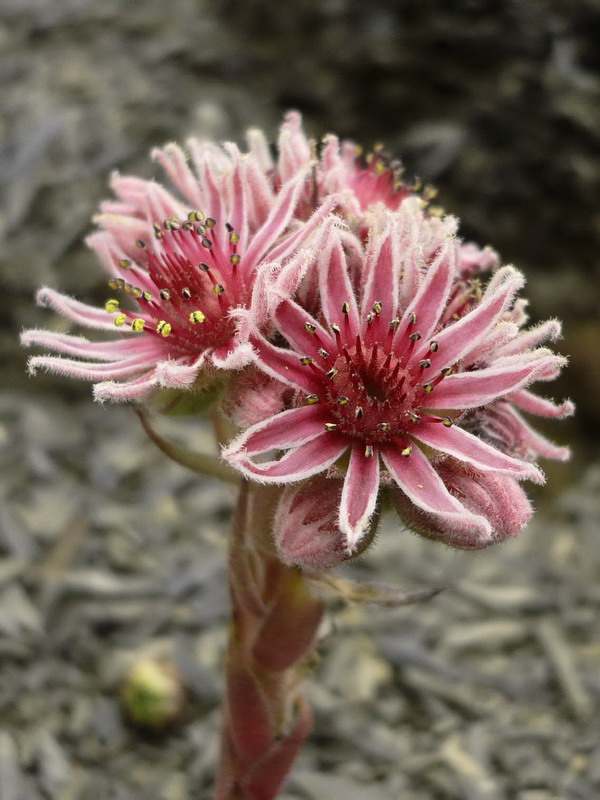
109 555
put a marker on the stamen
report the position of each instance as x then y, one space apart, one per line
331 374
186 292
218 288
377 306
120 320
235 259
345 308
196 317
323 353
138 325
343 400
369 451
330 426
147 296
163 327
140 243
358 412
311 399
124 263
412 318
309 327
112 305
234 237
306 360
407 451
204 266
210 222
383 426
448 422
434 346
414 417
165 294
424 363
206 242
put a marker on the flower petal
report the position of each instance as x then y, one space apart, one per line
459 337
359 494
334 282
288 429
382 268
85 315
477 388
421 484
540 405
299 464
469 448
284 365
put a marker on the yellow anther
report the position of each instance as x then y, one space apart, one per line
414 417
210 222
136 292
330 426
424 363
369 451
306 360
165 294
343 401
138 325
434 346
448 422
140 243
310 328
111 305
120 320
204 266
235 258
112 284
196 317
377 306
414 337
234 237
345 308
447 371
124 263
195 216
218 288
147 296
383 426
427 388
407 451
164 328
311 399
322 352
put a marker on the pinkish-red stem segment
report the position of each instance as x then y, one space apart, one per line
275 617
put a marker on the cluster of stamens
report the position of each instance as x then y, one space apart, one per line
373 387
183 286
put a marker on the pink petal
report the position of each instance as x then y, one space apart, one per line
175 374
81 313
472 389
276 223
469 448
238 215
287 429
526 341
459 337
285 365
122 392
432 295
334 282
259 148
299 464
382 267
533 404
294 149
233 355
174 162
291 319
359 494
80 347
291 243
530 440
89 370
421 484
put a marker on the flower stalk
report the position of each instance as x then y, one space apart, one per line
275 619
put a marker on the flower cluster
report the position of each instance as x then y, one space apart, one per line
368 350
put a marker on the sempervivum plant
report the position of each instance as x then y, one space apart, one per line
368 351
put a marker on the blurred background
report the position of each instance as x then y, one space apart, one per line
110 556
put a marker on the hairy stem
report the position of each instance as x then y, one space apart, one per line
275 617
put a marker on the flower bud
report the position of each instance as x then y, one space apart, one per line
152 695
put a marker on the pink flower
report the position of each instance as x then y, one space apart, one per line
363 184
385 375
180 271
